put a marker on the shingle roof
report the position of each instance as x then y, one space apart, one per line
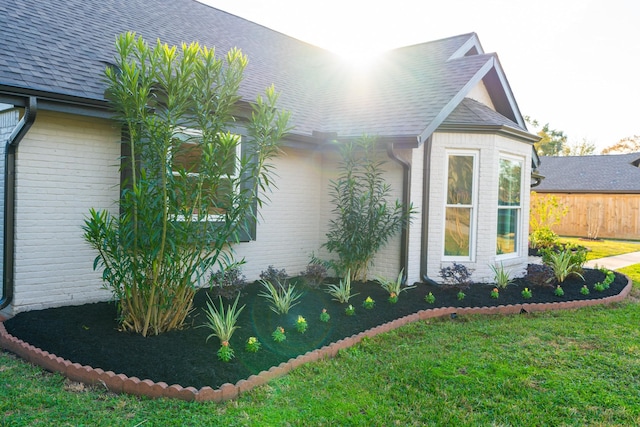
591 174
61 47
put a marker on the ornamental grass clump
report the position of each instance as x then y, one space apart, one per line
342 291
180 206
565 263
222 324
281 297
501 276
394 286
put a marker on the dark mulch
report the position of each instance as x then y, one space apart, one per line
88 334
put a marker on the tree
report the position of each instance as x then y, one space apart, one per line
363 218
552 141
191 190
582 148
630 144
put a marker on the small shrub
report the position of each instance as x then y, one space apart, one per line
495 293
559 292
368 303
606 283
253 345
350 311
314 274
225 353
584 290
456 275
281 298
393 298
324 316
543 238
461 295
526 293
501 277
227 283
539 274
273 275
342 291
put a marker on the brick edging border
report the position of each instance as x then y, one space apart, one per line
120 383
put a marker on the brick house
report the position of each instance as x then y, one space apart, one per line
444 115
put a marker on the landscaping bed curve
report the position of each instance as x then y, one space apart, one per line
83 343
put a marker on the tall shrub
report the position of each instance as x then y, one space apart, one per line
190 190
363 218
544 213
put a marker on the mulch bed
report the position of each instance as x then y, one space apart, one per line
89 335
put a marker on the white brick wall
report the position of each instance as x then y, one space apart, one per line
490 148
65 165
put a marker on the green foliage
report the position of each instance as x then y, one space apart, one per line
609 277
281 297
559 292
324 316
430 298
350 310
364 220
501 276
178 217
222 322
225 352
565 262
252 345
552 142
368 303
584 290
461 295
545 211
342 291
526 293
543 238
394 286
279 335
301 325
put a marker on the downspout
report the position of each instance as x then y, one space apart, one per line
426 193
406 200
11 147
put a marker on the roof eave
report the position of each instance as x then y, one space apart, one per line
508 131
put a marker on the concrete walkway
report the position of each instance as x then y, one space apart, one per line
615 262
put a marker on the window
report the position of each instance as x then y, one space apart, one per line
205 174
460 205
509 206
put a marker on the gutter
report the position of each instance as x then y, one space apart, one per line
426 193
406 200
21 129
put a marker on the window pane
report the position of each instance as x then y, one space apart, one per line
457 231
460 180
507 231
509 183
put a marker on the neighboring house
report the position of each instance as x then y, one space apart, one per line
602 194
444 114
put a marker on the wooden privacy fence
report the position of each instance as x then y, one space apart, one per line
615 216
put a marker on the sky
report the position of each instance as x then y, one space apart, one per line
571 63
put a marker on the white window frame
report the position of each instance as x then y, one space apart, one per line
518 209
236 171
475 154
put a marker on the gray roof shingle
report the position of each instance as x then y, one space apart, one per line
590 174
61 47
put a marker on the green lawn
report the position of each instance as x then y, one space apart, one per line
603 248
562 368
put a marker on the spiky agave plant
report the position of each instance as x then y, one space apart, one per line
223 324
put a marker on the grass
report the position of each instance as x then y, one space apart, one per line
603 248
560 368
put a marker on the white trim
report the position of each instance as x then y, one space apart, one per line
518 209
475 155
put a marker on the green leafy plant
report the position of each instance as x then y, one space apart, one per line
495 293
544 213
324 316
559 292
301 325
526 293
279 335
393 298
430 298
368 303
222 324
363 219
461 295
565 263
584 290
606 283
225 352
501 276
178 215
342 291
394 286
281 297
252 345
350 311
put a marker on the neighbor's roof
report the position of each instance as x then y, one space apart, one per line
58 49
590 174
